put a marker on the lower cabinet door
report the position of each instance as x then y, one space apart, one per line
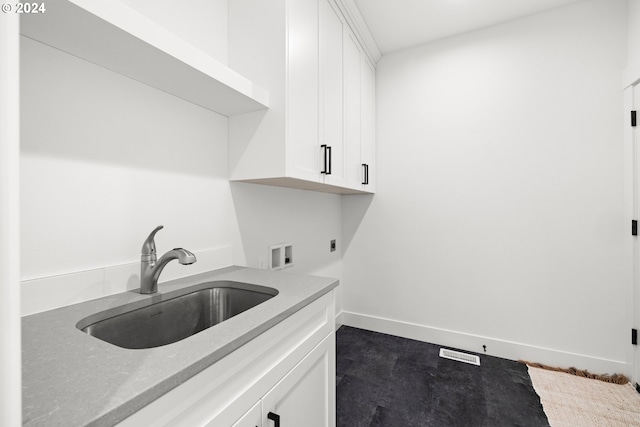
306 395
253 417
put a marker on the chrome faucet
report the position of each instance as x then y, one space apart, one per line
150 269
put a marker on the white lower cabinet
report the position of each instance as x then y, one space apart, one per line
253 417
288 371
302 397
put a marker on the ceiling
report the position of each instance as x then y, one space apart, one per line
399 24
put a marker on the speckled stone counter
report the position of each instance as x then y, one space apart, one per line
73 379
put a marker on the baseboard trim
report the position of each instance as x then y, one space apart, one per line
339 321
474 343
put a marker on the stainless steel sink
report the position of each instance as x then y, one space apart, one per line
176 316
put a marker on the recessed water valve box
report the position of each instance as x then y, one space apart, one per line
288 254
280 256
275 257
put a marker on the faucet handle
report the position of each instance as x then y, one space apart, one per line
149 245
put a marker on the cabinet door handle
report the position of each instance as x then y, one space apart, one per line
324 156
365 174
327 159
275 418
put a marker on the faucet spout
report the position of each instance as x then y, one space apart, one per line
150 269
183 256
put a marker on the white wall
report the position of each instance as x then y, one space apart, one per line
498 218
633 41
308 220
203 23
104 159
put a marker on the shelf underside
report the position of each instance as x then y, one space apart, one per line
303 185
116 37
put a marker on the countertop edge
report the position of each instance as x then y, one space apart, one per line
130 407
53 394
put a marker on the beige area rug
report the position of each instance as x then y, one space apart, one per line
573 401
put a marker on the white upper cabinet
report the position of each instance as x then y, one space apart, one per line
359 101
308 58
368 123
352 102
331 102
113 35
302 87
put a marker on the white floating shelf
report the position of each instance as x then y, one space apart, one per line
117 37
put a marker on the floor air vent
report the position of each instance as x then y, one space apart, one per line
460 357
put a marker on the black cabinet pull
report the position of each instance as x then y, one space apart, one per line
365 173
275 418
327 159
324 155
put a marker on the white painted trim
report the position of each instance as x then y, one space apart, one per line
356 22
10 342
339 320
495 347
630 208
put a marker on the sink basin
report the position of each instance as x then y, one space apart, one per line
176 316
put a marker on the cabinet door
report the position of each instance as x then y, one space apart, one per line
331 103
352 102
306 395
368 123
253 417
303 151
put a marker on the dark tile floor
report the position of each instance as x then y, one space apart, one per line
384 380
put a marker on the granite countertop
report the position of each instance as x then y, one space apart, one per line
70 378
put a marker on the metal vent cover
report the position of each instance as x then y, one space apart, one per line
460 357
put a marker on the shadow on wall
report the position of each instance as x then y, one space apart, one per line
108 157
354 209
76 110
244 143
270 215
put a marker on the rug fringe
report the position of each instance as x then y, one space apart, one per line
614 379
